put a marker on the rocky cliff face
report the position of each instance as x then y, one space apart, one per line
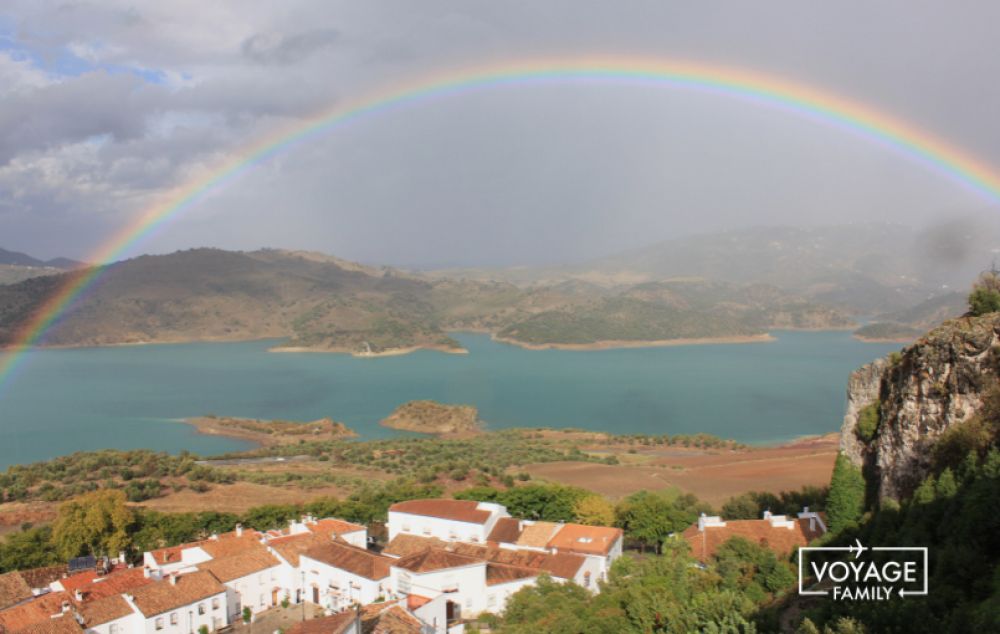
933 384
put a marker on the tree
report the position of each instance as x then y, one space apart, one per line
847 494
650 517
96 523
594 510
985 295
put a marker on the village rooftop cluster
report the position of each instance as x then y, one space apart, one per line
445 561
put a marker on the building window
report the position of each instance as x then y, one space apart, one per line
173 618
159 623
201 608
215 604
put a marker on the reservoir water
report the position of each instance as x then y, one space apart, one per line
67 400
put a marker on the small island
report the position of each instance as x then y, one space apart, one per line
269 433
431 417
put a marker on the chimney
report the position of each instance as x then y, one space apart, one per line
239 530
145 572
78 594
767 514
121 557
65 607
214 537
173 579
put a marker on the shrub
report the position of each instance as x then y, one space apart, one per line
868 420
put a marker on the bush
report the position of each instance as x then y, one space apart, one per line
868 420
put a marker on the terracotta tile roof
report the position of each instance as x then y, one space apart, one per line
170 555
335 624
163 596
507 530
561 565
590 540
403 544
241 564
38 610
457 510
537 534
104 610
359 561
414 601
431 559
290 547
334 526
229 544
381 618
65 624
13 589
42 577
779 539
499 573
93 587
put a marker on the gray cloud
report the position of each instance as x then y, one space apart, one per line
277 48
529 173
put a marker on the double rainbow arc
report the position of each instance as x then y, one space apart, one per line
847 114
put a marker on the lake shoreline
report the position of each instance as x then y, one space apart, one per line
622 344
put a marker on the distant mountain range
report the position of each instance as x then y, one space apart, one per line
317 302
733 284
15 266
22 259
864 269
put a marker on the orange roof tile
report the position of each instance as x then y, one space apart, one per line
456 510
499 573
404 544
240 564
65 624
359 561
163 596
93 586
38 610
42 577
414 601
291 547
537 534
332 525
335 624
507 530
104 610
13 589
228 544
432 559
391 618
779 539
589 540
561 565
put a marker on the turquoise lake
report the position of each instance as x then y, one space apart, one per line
68 400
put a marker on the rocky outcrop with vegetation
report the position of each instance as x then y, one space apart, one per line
900 406
430 417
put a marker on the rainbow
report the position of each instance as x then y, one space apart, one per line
798 99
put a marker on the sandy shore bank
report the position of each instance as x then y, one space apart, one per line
392 352
612 344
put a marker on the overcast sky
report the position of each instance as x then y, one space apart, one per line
105 106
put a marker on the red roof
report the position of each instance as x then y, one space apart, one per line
414 601
589 540
779 539
94 587
334 526
456 510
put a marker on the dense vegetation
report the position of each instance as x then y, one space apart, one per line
484 459
888 330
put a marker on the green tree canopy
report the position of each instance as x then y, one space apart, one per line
847 494
97 523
